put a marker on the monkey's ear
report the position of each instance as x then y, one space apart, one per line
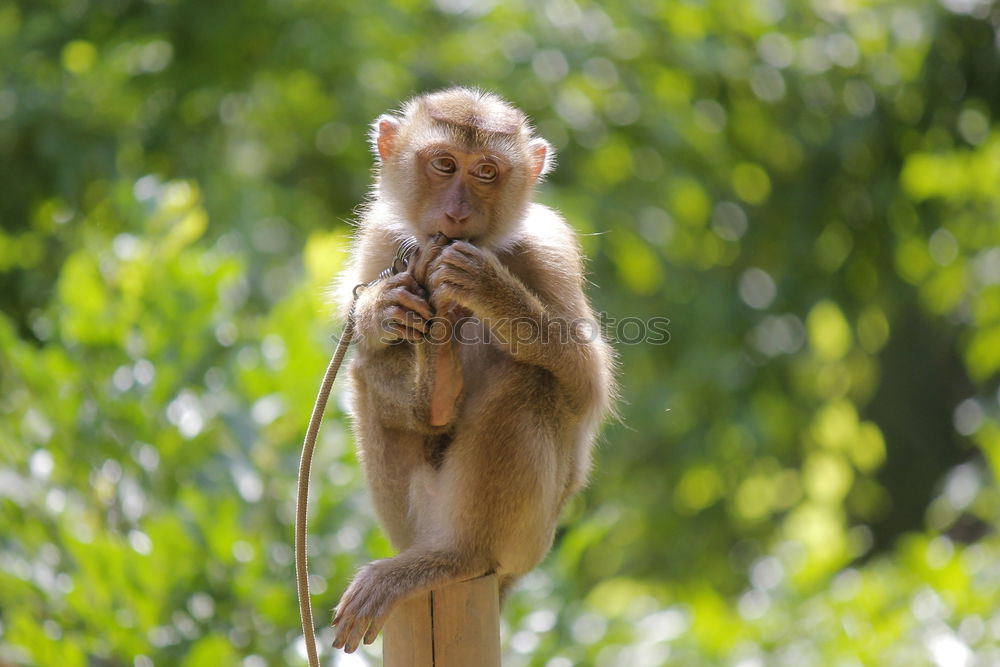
543 158
384 132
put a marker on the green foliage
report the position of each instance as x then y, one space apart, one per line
805 474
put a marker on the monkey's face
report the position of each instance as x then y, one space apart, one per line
460 191
458 162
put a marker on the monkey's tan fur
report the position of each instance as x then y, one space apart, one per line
470 449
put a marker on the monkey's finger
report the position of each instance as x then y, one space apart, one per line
427 254
435 282
418 263
401 283
469 258
434 247
465 247
448 274
448 295
450 268
435 256
404 280
466 250
406 333
462 264
406 317
414 303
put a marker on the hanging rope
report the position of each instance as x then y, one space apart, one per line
403 254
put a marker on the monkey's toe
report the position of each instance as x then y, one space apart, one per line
374 629
350 631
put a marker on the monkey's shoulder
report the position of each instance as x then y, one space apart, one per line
547 226
545 252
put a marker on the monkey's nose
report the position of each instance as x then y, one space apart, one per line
456 218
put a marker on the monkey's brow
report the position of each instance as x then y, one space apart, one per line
443 150
435 150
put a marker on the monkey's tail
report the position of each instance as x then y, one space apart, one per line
302 498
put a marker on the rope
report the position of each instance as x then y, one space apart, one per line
403 254
302 500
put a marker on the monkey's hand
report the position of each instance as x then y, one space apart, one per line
393 310
518 320
466 275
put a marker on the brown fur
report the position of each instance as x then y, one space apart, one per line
470 449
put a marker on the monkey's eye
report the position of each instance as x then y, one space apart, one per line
486 172
443 165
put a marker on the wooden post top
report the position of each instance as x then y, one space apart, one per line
454 626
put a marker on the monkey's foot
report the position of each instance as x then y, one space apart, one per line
362 610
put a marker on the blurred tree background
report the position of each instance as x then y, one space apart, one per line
809 189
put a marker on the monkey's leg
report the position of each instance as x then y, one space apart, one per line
490 508
389 458
501 484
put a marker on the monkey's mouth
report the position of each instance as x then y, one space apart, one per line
450 237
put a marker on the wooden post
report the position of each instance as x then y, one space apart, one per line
454 626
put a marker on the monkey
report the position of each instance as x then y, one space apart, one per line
479 378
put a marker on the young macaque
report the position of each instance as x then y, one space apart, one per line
479 378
